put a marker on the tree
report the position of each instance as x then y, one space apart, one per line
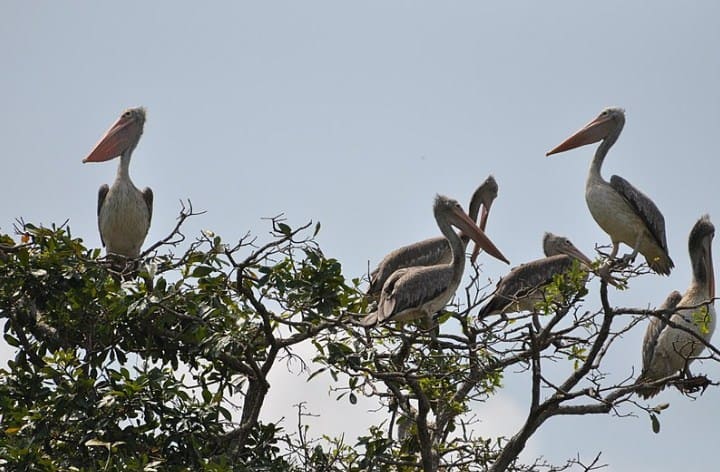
163 363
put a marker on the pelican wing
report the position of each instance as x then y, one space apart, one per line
652 335
147 194
411 288
524 280
102 193
423 253
656 326
645 209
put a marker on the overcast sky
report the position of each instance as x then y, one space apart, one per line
355 115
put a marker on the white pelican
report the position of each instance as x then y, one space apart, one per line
522 288
436 250
667 350
124 212
421 291
622 211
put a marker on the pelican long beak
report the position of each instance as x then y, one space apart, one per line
484 213
579 255
123 134
592 132
468 226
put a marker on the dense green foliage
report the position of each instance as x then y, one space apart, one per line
129 368
163 363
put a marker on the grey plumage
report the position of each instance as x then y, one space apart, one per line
427 252
431 251
651 216
622 211
102 193
522 288
650 340
124 211
667 350
421 291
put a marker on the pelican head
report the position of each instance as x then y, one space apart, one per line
700 248
122 137
448 210
484 195
554 245
609 120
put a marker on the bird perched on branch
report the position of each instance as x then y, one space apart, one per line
421 291
666 349
436 250
524 286
124 212
625 213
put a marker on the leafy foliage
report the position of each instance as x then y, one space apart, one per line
163 363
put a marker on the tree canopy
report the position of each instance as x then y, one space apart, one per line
163 363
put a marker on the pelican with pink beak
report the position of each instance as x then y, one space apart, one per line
625 213
124 211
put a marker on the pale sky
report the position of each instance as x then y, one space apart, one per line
355 114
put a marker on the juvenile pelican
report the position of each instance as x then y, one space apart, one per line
622 211
436 250
667 350
421 291
523 287
124 212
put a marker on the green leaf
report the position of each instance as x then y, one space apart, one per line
97 443
319 371
12 340
655 423
201 271
284 229
225 412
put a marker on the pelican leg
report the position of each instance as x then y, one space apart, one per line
430 325
630 258
606 268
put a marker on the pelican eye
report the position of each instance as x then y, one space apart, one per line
127 114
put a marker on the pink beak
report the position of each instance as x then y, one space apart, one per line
468 226
592 132
485 212
122 135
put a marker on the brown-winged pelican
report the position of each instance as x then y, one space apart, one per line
124 212
436 250
667 350
622 211
421 291
522 288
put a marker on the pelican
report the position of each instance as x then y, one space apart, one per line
622 211
522 288
667 350
124 212
421 291
436 250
